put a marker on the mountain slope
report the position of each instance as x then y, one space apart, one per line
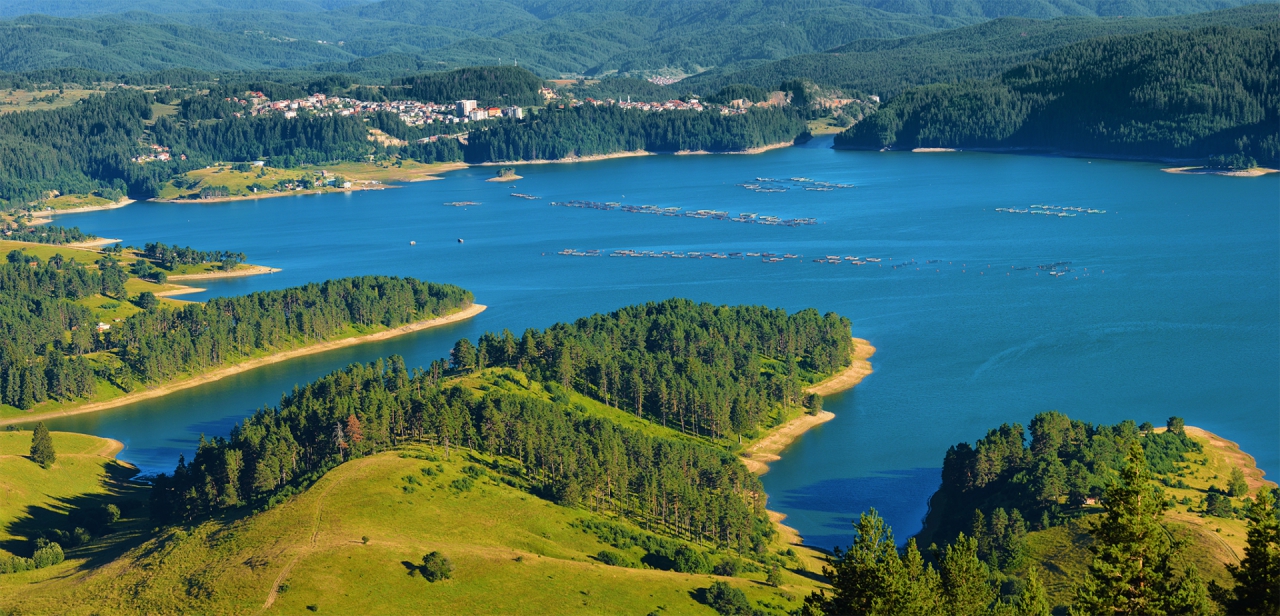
1168 94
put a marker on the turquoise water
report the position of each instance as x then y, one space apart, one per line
1176 313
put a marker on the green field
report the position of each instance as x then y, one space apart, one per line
513 553
239 183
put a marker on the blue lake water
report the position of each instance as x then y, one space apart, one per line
1172 306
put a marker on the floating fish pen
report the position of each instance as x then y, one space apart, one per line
1052 210
745 217
524 196
461 203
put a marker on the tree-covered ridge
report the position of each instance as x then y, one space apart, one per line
704 369
165 343
49 337
680 487
886 67
1067 464
589 130
490 85
1207 93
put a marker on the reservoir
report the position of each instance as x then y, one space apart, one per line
1166 304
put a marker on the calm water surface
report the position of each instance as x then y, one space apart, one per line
1172 306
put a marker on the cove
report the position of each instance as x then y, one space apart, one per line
1170 307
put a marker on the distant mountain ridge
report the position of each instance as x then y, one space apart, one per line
549 36
1212 92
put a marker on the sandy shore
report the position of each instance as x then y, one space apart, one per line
851 376
92 208
759 454
221 373
1242 173
181 291
102 241
934 150
584 159
364 185
252 270
506 178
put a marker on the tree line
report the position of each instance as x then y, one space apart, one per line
684 488
1067 464
1202 94
1136 567
48 334
704 369
589 130
45 234
170 257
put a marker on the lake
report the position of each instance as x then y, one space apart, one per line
1171 305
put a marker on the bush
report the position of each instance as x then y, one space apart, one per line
436 567
688 560
615 559
146 300
728 567
727 600
47 554
463 484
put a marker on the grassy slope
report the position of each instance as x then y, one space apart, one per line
1212 542
238 182
513 553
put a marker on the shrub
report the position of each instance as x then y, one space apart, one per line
728 567
615 559
436 567
727 600
688 560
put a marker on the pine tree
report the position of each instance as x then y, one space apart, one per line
964 579
1131 572
42 446
1257 589
1033 601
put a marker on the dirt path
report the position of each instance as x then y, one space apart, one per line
311 545
221 373
851 376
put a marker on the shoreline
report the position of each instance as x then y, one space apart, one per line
633 153
505 178
91 208
245 366
181 291
1235 173
271 195
1052 152
252 270
102 241
848 378
759 454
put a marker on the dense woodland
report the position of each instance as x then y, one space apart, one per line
1067 463
589 130
703 369
1207 93
489 85
685 488
47 335
710 370
170 257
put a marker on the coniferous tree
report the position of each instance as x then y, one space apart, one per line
964 579
1132 569
42 446
1033 601
1257 577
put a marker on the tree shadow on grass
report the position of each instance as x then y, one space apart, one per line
119 489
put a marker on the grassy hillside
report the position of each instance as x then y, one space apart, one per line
345 546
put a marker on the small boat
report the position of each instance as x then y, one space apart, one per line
412 243
459 240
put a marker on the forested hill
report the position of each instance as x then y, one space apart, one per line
887 67
549 36
1212 92
698 374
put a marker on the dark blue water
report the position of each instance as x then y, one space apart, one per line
1172 306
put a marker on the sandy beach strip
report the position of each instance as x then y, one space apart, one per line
102 241
1242 173
252 270
505 178
759 454
851 376
934 150
179 291
629 154
245 366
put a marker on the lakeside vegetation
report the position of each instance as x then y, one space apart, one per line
69 342
1108 96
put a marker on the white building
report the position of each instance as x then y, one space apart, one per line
513 112
464 108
